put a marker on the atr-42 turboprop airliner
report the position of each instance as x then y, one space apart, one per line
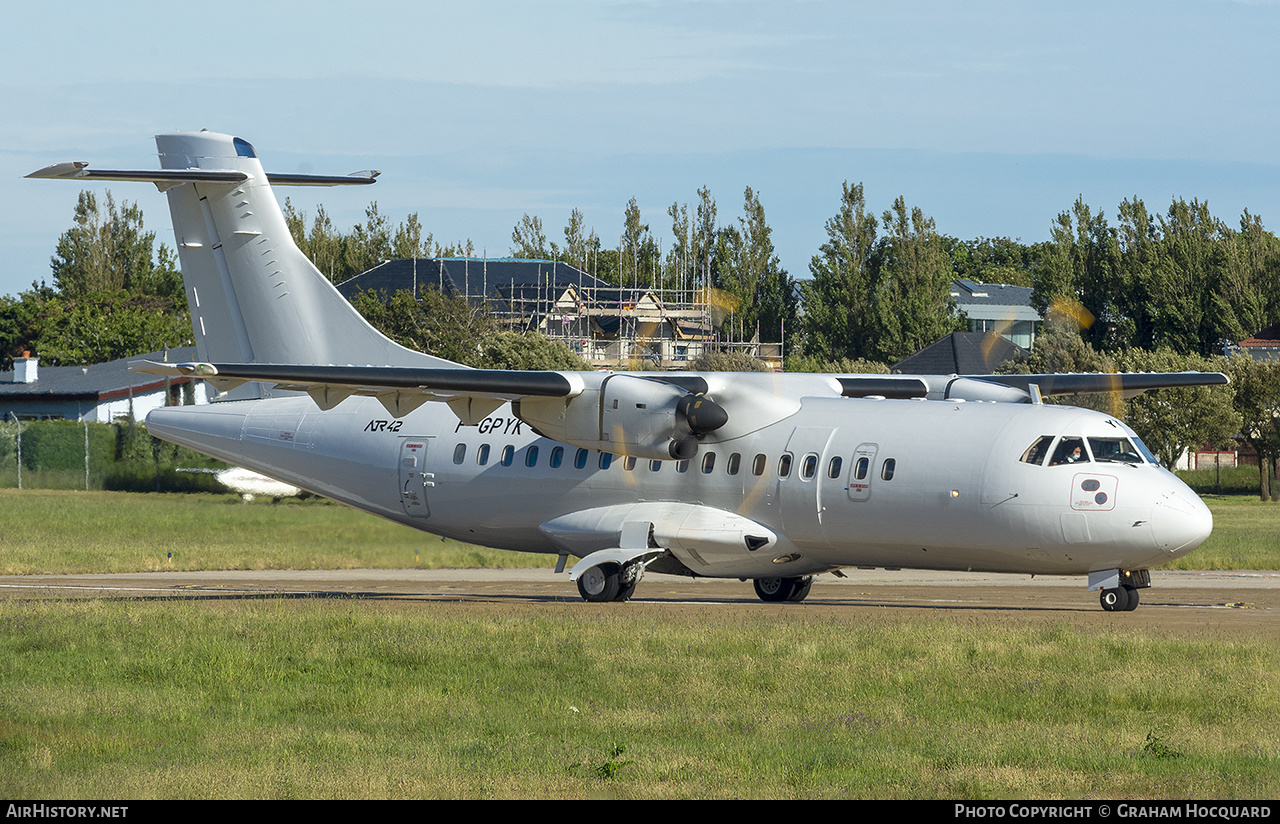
772 477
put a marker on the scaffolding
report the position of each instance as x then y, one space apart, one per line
628 327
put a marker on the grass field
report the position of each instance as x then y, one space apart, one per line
323 698
275 698
53 531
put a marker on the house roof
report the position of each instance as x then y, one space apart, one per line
467 276
99 381
1267 338
993 300
961 353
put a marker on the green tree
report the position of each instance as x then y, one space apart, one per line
1256 387
1173 421
1077 270
108 250
529 351
840 294
528 240
913 295
637 250
727 362
447 327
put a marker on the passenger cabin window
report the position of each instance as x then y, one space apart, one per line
508 455
886 471
708 463
460 453
833 467
735 462
482 454
606 459
758 464
809 467
580 459
784 465
654 466
531 457
682 466
557 457
629 462
1036 453
1069 451
860 468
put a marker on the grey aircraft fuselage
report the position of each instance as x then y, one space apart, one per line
957 495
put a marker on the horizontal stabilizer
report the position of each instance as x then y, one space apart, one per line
79 170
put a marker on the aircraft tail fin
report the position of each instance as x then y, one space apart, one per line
254 296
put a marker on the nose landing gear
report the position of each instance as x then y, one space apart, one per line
1120 599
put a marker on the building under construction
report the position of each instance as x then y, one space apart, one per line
608 325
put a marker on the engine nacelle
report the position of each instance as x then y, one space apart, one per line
628 415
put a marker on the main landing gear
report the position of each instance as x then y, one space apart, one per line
609 582
783 589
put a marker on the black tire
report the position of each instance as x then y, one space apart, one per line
801 589
1132 594
1115 600
600 583
777 590
773 590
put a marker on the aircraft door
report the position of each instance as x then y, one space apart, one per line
861 471
414 478
800 490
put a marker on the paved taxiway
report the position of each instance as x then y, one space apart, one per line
1223 603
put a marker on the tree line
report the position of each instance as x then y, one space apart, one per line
1142 292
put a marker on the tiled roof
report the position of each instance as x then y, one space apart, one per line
99 381
961 353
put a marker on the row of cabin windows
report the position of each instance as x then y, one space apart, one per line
733 465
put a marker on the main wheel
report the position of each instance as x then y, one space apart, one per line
600 583
773 589
800 590
1132 594
1117 600
783 589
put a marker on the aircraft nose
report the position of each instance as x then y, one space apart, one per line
1181 522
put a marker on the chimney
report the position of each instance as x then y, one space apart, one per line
25 368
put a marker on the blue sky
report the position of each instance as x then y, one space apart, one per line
990 116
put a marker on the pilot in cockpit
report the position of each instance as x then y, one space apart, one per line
1069 451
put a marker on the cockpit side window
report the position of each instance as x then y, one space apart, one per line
1069 451
1036 453
1114 449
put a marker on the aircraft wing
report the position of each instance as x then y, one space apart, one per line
471 393
1128 383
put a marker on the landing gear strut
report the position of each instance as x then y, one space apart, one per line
783 589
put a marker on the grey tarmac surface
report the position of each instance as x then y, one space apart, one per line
1221 603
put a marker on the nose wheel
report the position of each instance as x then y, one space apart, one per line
1120 599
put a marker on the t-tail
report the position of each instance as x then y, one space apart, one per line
254 296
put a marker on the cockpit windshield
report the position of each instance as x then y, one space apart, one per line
1114 449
